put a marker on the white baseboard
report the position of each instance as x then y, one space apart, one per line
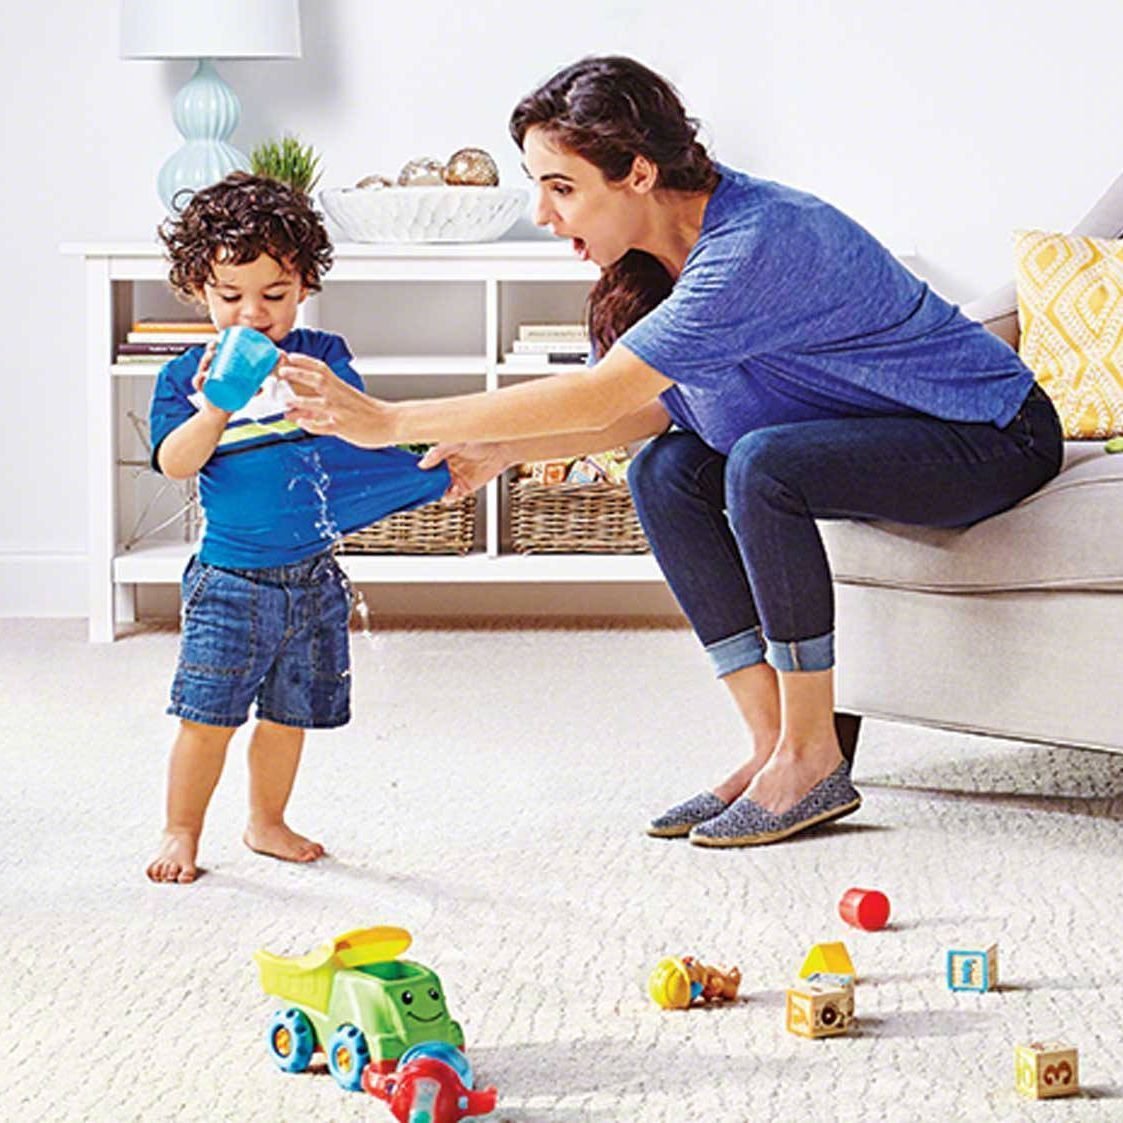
34 584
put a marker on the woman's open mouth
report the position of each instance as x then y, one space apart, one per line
581 249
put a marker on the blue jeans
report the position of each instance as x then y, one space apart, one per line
736 537
277 636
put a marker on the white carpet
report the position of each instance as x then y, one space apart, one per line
489 796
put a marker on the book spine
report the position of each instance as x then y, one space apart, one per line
154 348
529 332
540 346
165 326
186 338
567 358
547 358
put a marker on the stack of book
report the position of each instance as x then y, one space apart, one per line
550 345
157 341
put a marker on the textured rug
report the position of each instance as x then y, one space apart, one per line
490 796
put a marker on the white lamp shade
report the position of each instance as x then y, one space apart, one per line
210 29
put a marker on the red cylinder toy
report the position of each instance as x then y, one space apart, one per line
864 908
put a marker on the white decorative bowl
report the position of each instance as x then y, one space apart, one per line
424 214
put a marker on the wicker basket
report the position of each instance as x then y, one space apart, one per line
574 519
436 528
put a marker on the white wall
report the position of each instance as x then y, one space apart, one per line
940 126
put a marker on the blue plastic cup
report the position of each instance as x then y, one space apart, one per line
242 361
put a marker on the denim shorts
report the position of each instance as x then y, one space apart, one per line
275 636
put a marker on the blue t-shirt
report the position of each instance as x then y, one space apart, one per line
787 310
274 494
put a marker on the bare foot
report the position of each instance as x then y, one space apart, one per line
176 859
789 776
277 840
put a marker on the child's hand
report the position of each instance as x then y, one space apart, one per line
201 377
205 363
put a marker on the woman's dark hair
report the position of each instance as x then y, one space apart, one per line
236 221
608 110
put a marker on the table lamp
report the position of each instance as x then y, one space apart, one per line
206 110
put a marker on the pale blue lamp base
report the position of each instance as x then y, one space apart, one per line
206 112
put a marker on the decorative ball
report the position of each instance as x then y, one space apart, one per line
375 181
422 172
471 167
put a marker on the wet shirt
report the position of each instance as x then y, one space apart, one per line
273 494
788 310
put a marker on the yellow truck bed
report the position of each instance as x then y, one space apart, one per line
306 979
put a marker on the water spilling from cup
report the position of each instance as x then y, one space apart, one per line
319 479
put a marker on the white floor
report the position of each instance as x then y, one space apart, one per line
489 796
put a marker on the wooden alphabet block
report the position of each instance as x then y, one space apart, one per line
973 969
1046 1069
818 1011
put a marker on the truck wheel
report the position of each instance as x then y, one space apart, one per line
290 1040
348 1055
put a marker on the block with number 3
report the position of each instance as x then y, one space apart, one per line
1046 1069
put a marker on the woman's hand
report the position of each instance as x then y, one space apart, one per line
328 406
471 465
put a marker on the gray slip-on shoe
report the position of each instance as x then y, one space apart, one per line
745 823
678 821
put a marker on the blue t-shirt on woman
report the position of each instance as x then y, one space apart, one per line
273 494
788 310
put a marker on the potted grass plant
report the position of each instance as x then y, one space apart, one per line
288 161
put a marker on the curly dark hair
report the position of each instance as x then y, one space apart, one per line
609 109
237 220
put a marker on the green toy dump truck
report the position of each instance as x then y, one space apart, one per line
356 1001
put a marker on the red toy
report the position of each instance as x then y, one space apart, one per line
426 1090
864 908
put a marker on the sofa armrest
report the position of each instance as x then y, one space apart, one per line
998 313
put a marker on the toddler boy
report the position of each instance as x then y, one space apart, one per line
265 606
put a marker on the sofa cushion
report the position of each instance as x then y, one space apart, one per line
1070 307
1065 536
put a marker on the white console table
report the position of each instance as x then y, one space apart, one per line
490 281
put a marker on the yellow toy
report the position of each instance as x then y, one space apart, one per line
675 983
1046 1069
831 959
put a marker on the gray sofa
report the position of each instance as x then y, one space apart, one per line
1012 627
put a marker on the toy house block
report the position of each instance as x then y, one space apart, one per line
970 969
1046 1069
829 981
817 1011
833 959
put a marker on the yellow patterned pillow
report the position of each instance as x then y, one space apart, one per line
1070 311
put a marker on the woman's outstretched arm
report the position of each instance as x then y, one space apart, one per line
472 464
588 400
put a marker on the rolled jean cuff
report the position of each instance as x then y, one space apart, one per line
734 653
815 654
